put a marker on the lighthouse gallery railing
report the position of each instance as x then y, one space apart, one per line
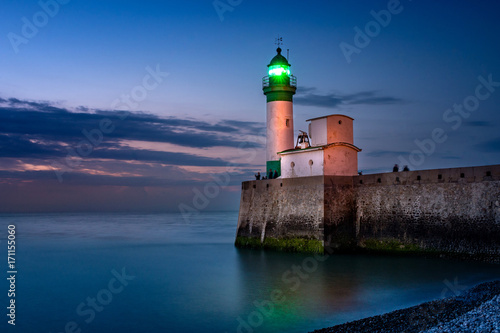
265 81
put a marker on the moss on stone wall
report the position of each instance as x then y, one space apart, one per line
248 242
286 244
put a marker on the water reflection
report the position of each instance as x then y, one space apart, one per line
318 291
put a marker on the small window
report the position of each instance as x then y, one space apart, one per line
440 177
267 185
292 165
361 181
379 180
488 173
281 184
462 175
288 123
311 162
397 179
254 186
419 178
340 122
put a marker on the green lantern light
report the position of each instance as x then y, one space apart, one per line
278 70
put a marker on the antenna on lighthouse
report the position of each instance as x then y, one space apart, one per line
288 54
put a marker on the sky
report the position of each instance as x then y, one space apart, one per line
157 106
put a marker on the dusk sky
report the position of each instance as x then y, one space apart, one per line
142 105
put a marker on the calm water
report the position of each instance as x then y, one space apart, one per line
182 277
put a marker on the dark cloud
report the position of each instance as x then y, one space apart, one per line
39 130
173 158
16 146
252 127
309 98
39 106
305 90
20 146
479 123
490 146
49 122
325 101
386 153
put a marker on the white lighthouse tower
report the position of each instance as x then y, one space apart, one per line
279 87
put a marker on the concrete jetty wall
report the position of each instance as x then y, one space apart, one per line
279 213
442 211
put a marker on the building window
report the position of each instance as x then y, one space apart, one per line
311 162
340 122
288 123
292 165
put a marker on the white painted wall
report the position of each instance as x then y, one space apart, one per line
279 135
318 132
302 166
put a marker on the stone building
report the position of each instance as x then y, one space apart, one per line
328 148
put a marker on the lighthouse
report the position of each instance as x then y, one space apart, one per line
279 86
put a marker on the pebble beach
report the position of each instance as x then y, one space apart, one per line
476 310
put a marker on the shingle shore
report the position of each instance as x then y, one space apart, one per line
476 310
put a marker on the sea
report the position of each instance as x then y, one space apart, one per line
163 273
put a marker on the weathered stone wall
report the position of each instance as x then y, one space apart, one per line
340 212
282 208
446 210
442 210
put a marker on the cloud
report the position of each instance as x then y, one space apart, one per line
479 123
21 146
326 101
490 146
386 153
39 106
44 120
305 90
309 98
172 158
17 146
30 129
